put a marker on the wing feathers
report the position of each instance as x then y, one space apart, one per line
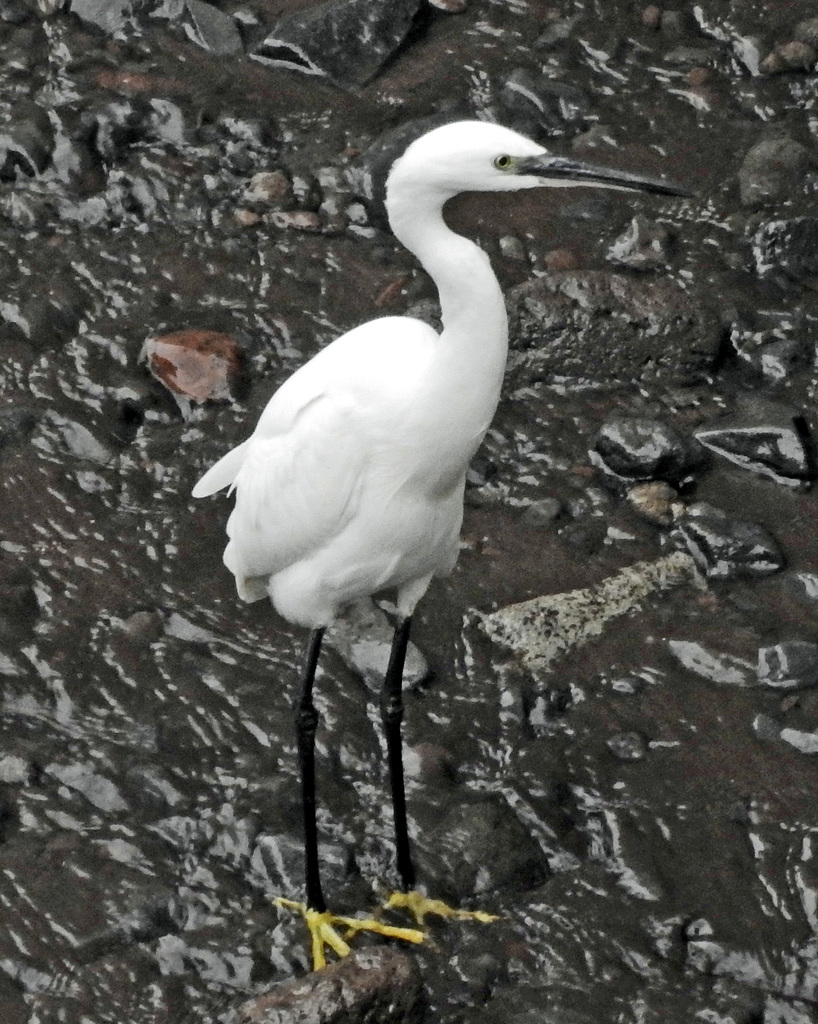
223 474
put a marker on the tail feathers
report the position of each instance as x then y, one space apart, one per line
252 588
223 474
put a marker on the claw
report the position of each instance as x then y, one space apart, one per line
419 906
321 925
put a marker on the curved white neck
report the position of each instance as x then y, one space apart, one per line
472 305
463 384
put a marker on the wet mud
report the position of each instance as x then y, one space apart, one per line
642 813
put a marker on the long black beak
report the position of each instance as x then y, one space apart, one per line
562 168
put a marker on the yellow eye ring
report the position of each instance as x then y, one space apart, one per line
502 162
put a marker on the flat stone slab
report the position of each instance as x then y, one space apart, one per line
544 629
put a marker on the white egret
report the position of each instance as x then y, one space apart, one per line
352 482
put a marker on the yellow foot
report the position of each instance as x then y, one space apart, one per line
419 906
323 933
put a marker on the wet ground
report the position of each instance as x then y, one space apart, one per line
643 814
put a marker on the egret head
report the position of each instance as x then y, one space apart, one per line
475 156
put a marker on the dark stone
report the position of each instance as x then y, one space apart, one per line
19 609
627 746
371 986
642 449
538 106
643 245
775 343
348 41
478 848
602 326
789 665
787 248
804 586
15 12
26 144
776 452
112 128
212 29
109 15
148 920
557 33
773 170
543 512
16 426
727 548
591 209
52 318
278 863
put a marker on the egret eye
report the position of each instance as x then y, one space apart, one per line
503 162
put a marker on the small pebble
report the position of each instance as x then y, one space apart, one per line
656 501
246 218
792 56
789 665
144 624
698 76
627 746
450 6
512 248
672 24
807 31
561 259
698 929
542 513
268 187
295 220
14 770
652 16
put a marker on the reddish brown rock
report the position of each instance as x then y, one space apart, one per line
198 365
378 984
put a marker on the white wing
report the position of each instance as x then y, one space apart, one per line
299 478
222 474
296 490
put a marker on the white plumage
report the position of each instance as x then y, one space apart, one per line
353 479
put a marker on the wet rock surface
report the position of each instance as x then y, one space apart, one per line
623 770
381 985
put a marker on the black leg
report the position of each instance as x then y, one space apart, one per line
392 715
306 724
